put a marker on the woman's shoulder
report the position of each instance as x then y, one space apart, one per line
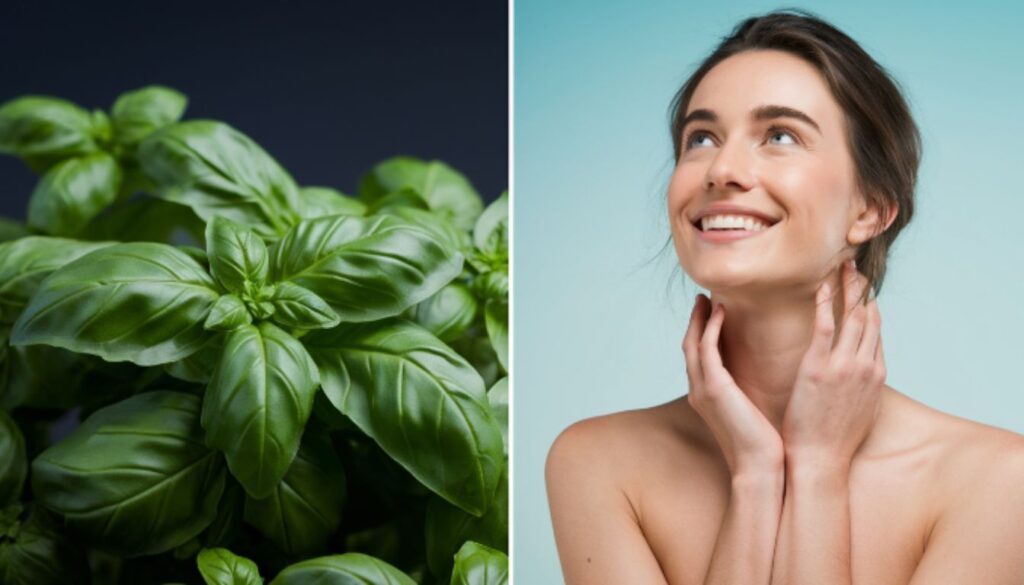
629 442
966 452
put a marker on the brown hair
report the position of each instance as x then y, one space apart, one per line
881 133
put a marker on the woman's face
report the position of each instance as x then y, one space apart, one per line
800 176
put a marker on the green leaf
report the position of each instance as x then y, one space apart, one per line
419 400
448 313
135 477
216 170
304 510
346 569
11 230
497 396
257 404
138 113
491 229
228 521
145 219
496 321
448 527
12 460
320 201
141 302
199 366
219 566
365 268
228 313
73 192
402 198
25 262
44 130
492 285
447 191
43 377
301 308
443 230
39 555
237 255
476 564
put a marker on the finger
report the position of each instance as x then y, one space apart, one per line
852 328
869 340
824 325
694 372
715 373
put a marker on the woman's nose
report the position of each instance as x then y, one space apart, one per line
731 168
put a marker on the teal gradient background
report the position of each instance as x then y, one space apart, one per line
596 327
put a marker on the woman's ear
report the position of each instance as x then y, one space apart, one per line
869 221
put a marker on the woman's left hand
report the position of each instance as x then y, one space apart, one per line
838 390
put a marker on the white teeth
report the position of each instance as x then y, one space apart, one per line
744 222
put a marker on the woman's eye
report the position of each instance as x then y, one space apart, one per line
772 133
694 136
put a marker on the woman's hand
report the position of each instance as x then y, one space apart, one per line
749 443
838 390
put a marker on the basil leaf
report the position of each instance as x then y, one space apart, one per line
476 564
219 566
443 230
228 521
25 262
301 308
448 527
402 198
346 569
491 229
200 365
496 321
11 230
141 302
445 190
73 192
257 404
497 396
12 460
45 377
304 510
419 400
320 201
44 130
227 313
39 555
138 113
448 313
237 255
135 477
216 170
145 219
365 268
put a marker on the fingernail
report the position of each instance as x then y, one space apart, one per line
853 263
826 289
871 294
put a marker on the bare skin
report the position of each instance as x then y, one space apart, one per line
790 461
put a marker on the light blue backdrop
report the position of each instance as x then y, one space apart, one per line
594 330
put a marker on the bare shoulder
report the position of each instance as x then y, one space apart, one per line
629 445
970 453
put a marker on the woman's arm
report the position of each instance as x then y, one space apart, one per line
831 411
746 541
596 529
813 544
979 537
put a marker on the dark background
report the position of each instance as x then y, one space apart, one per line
327 88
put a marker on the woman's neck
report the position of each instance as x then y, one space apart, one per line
763 342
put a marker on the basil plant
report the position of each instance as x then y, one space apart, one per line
209 373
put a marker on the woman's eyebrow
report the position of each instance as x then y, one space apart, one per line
760 113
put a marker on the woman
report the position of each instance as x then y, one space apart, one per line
790 460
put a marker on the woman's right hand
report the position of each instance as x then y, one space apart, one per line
749 443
